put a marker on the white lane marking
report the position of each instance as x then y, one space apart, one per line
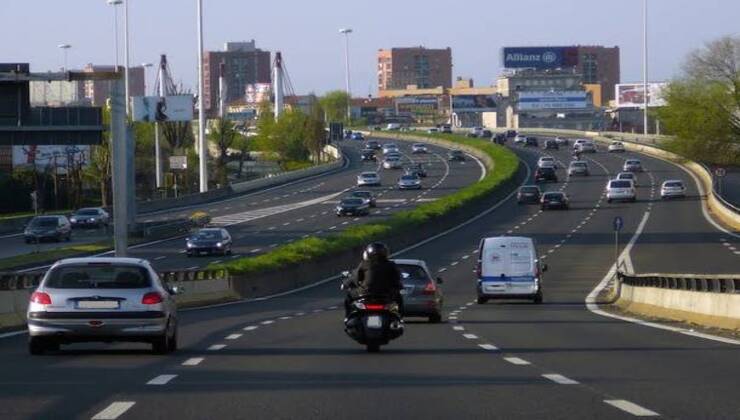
300 313
285 318
517 361
13 334
256 250
195 267
251 328
216 262
216 347
113 411
233 336
161 257
489 347
632 408
470 336
161 380
465 257
559 379
458 328
442 270
268 322
193 361
454 263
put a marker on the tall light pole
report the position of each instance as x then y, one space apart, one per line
65 48
203 152
346 32
126 56
115 4
645 67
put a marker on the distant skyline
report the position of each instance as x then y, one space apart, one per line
307 33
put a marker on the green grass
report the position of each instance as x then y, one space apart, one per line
6 216
53 254
505 167
295 165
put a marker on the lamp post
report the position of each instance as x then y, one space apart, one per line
203 152
644 67
115 4
65 49
346 32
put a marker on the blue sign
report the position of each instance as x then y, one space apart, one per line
618 224
540 57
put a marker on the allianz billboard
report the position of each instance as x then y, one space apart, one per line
540 57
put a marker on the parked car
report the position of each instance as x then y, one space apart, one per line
433 130
416 169
393 127
616 147
421 293
352 206
419 148
392 162
545 174
409 182
551 145
629 176
456 155
632 165
672 188
528 194
102 299
368 179
578 167
365 195
511 134
208 241
357 136
41 228
554 200
90 217
532 142
368 155
620 190
446 128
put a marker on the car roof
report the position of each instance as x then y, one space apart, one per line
620 180
102 260
633 160
547 158
553 193
673 180
501 240
403 261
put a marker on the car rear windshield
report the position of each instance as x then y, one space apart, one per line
633 162
529 189
626 176
44 222
366 194
674 184
553 196
578 164
620 184
409 178
98 276
87 212
368 175
412 274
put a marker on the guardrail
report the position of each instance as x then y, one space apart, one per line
713 283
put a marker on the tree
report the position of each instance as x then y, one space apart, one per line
315 130
335 105
703 106
99 169
224 136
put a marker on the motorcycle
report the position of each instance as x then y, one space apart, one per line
373 321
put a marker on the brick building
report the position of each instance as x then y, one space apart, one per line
417 66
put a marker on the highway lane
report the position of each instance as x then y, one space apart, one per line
304 366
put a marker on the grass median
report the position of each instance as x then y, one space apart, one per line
504 169
53 255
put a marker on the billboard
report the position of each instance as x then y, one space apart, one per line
417 105
540 57
473 103
257 93
162 109
631 95
568 99
47 155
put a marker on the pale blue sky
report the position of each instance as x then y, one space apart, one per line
306 32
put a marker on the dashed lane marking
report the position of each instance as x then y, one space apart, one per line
193 361
559 379
114 410
251 328
489 347
458 328
517 361
161 380
268 322
216 347
233 336
470 336
631 408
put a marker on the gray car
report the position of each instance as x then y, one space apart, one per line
102 300
90 217
55 228
422 295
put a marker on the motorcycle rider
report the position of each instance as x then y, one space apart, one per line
375 276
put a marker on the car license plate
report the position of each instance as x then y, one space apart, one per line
97 304
406 291
374 321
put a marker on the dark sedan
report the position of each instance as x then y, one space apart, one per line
209 241
416 169
554 200
352 206
528 194
365 195
532 141
368 155
545 174
456 156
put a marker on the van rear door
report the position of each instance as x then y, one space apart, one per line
506 265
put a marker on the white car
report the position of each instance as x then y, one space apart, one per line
520 139
561 141
433 130
620 190
419 148
368 178
578 167
632 165
389 147
392 162
586 147
616 147
547 161
672 188
577 142
628 176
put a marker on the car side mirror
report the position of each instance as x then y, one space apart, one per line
439 280
544 267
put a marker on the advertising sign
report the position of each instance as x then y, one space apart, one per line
178 162
540 57
631 95
163 109
473 103
417 105
257 93
45 155
534 101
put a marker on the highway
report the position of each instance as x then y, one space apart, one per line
288 357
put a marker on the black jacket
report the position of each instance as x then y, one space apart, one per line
377 277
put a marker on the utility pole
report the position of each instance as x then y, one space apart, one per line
346 32
278 84
203 152
157 147
645 66
126 56
120 180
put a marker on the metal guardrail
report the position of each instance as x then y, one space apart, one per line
20 281
711 283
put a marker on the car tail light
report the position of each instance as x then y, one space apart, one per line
430 288
478 269
374 306
41 298
151 298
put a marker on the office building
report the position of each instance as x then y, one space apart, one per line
424 68
98 91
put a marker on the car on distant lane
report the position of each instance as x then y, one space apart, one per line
456 156
547 161
419 148
416 169
554 200
545 174
620 190
616 147
672 188
357 136
208 241
41 228
528 194
409 182
632 165
90 217
368 179
551 144
392 162
367 196
578 167
629 176
352 206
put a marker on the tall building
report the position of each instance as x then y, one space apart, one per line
244 64
600 65
58 93
98 91
417 66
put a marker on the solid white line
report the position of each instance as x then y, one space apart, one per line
13 334
490 347
161 380
285 318
517 361
560 379
233 336
193 361
216 347
113 411
470 336
631 408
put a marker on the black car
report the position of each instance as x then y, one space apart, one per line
456 155
373 145
545 174
368 155
510 134
353 206
499 138
528 194
209 241
551 145
365 195
416 169
486 134
55 228
554 200
532 141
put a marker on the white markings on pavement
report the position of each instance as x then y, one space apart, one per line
458 328
114 410
193 361
268 322
216 347
161 257
233 336
251 328
161 380
517 361
285 318
631 408
559 379
489 347
470 336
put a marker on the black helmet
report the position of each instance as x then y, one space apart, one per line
376 250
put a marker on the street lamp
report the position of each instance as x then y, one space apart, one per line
346 32
65 48
146 66
203 152
115 3
644 67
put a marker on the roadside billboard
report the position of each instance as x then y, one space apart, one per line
569 99
473 103
631 95
256 93
539 57
47 155
163 108
417 105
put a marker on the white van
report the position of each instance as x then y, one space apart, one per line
509 268
393 126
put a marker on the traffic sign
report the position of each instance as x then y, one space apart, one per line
618 224
720 172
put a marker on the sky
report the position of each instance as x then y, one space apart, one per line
307 33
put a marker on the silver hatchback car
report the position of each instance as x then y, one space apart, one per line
104 300
422 295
